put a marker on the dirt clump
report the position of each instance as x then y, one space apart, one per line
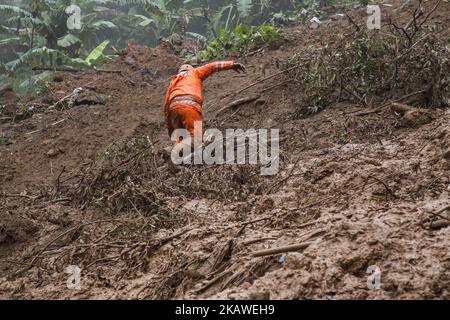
15 229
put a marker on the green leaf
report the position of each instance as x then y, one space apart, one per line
173 5
34 79
145 20
32 55
196 36
104 1
76 63
218 16
97 53
100 9
150 6
14 10
14 41
244 7
103 24
195 12
3 69
68 40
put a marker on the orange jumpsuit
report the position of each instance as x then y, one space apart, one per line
187 86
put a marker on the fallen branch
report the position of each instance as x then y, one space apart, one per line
288 176
174 236
401 108
256 51
33 132
376 110
237 103
57 122
267 78
248 242
230 116
63 99
272 251
430 13
253 221
133 156
76 91
49 243
356 95
350 19
439 224
43 68
7 195
389 190
277 85
213 281
416 14
246 223
52 124
438 213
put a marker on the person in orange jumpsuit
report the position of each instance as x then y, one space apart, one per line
184 99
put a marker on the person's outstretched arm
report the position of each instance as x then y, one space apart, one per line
208 69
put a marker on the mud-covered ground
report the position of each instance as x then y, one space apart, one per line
88 186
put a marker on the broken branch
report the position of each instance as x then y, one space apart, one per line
272 251
237 103
438 213
376 110
267 78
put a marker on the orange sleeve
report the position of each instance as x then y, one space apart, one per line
208 69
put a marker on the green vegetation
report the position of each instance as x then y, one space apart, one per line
369 66
54 33
240 39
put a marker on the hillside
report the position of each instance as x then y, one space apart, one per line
360 184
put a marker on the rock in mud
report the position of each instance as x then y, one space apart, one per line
130 61
54 152
91 99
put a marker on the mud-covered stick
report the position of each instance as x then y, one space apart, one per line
439 224
238 102
438 213
268 77
268 252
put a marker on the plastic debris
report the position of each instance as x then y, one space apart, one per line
283 258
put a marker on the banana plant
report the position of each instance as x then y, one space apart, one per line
97 55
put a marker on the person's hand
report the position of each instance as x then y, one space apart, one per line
238 67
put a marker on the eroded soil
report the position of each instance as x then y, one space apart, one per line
88 186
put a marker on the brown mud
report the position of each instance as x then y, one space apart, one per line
87 185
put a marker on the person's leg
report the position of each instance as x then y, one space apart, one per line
175 121
193 122
185 117
190 118
181 117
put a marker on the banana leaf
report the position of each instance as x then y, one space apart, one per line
96 54
68 40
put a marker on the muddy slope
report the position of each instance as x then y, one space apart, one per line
87 185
